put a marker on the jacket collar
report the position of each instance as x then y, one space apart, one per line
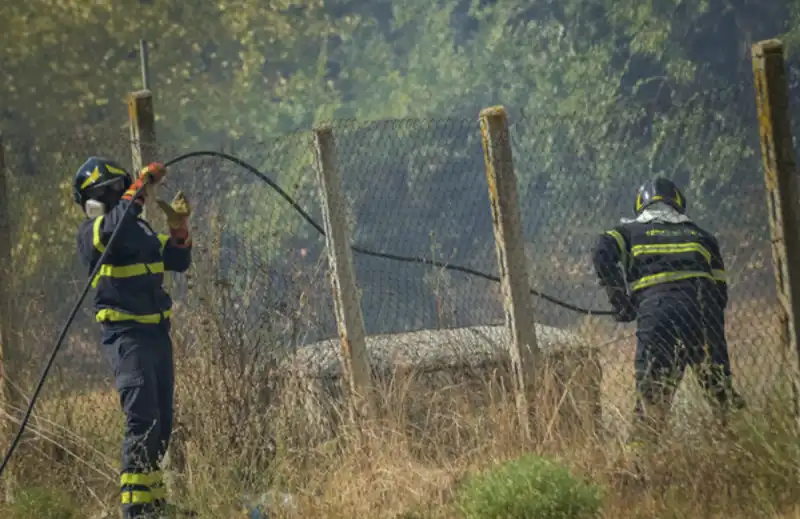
658 213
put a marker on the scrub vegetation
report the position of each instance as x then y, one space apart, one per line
600 93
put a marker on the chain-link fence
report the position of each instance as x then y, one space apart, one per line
421 225
418 189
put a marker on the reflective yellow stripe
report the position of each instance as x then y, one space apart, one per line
128 271
163 238
107 314
137 497
671 248
623 253
91 179
145 479
115 171
96 241
666 277
719 275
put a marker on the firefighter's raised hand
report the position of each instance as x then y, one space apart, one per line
152 173
177 212
148 175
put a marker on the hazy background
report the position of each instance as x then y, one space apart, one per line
601 95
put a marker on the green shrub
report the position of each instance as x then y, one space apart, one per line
530 487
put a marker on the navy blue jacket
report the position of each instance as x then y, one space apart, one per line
656 258
129 285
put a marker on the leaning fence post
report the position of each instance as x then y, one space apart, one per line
9 347
780 177
347 302
144 150
509 241
142 121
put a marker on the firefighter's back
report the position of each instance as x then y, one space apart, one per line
668 260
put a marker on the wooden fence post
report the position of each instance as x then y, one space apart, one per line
144 150
9 346
780 177
142 121
509 241
347 301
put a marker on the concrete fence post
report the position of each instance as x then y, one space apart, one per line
510 245
347 301
780 178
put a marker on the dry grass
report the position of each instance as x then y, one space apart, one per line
384 471
394 467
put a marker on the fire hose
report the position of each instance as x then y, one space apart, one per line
252 169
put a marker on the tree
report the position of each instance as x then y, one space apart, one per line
602 94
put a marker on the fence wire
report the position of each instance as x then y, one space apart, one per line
417 189
263 258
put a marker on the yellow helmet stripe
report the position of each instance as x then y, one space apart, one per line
92 178
115 171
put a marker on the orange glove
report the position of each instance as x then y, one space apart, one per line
150 174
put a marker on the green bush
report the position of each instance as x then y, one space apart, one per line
530 487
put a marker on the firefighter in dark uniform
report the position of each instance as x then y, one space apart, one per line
134 311
677 292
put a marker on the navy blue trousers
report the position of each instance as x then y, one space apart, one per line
140 356
674 332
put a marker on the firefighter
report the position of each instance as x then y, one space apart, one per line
667 273
134 312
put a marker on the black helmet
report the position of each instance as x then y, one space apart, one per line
659 189
100 179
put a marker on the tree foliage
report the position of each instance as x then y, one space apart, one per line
601 92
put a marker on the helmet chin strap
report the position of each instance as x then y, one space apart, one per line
94 208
